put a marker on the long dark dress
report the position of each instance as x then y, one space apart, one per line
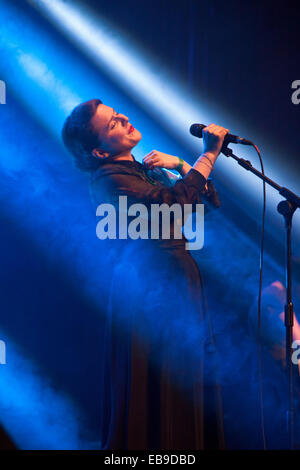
154 392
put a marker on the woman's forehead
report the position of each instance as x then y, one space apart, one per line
103 115
104 111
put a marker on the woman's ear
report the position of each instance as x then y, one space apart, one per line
99 153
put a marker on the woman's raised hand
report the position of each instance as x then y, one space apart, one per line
213 138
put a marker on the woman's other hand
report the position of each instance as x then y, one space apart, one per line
157 159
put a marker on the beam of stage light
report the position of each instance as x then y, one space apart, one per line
43 79
31 71
168 102
32 413
50 80
126 65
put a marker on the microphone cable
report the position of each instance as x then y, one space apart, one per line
259 345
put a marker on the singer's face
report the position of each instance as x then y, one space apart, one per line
116 134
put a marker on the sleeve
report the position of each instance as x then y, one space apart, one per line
187 190
211 196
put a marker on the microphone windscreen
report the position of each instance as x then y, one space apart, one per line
196 130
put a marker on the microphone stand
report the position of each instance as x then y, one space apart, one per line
287 207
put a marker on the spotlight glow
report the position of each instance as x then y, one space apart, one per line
38 71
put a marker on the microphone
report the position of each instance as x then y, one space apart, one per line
196 130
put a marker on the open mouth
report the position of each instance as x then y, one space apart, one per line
131 129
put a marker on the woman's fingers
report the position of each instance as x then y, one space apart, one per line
160 159
152 163
151 158
153 153
215 130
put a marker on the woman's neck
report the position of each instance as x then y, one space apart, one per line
123 156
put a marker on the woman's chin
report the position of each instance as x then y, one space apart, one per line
137 135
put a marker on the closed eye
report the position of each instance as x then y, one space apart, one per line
114 124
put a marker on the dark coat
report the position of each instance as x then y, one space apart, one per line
156 333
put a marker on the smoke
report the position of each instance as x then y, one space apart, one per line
35 413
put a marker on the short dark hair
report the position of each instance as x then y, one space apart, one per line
80 137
